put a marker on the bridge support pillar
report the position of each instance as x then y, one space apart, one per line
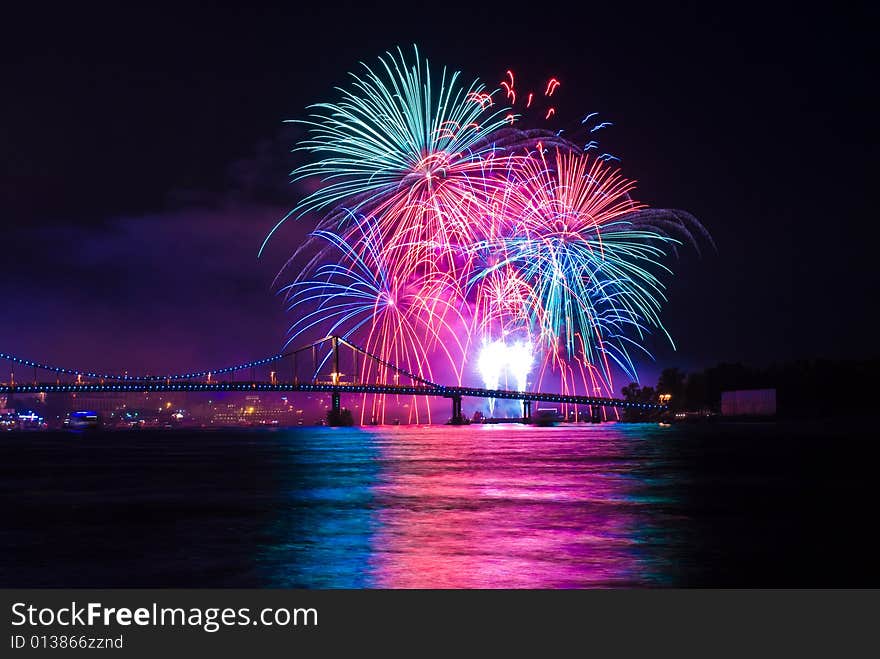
527 411
336 416
595 414
457 417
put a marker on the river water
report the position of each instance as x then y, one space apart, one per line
506 506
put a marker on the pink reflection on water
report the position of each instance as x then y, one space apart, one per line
508 507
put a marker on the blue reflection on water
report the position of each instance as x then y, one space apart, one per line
325 521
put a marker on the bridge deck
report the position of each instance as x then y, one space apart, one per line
321 387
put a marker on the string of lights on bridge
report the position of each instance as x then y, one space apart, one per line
177 382
200 374
438 391
114 376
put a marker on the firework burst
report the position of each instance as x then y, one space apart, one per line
445 229
411 150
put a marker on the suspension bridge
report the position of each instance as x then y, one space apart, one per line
300 370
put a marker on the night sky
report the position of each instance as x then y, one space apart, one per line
144 159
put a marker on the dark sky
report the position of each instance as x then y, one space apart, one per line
144 159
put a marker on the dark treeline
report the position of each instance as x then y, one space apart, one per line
804 389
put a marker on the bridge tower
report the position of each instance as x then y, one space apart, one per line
336 405
314 363
595 414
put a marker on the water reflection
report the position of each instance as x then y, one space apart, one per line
492 506
516 507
